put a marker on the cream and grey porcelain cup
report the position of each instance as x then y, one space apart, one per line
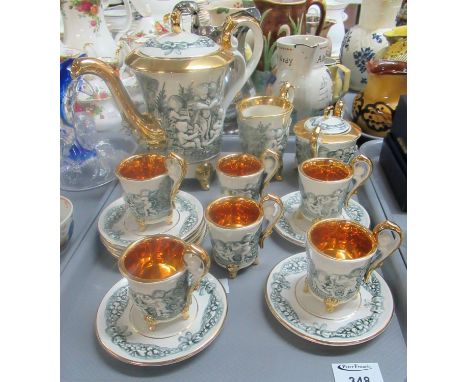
327 184
342 255
245 174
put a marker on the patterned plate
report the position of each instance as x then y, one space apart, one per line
288 228
117 321
372 312
114 221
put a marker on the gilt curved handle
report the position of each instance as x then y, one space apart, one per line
274 217
270 173
314 142
182 172
146 125
385 252
359 161
206 262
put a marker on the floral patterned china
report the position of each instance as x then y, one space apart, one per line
118 228
293 226
123 333
361 320
66 220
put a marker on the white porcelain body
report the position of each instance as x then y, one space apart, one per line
338 280
162 300
268 129
149 200
86 31
66 220
301 62
323 199
336 11
343 151
365 40
330 278
235 246
250 186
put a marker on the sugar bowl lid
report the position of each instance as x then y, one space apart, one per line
178 51
333 128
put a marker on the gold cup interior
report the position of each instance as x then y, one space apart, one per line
258 107
342 240
326 169
234 212
153 259
142 167
240 165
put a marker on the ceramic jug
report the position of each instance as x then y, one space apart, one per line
280 19
184 81
85 28
365 40
301 62
336 11
374 107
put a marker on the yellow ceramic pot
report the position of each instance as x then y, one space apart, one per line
374 107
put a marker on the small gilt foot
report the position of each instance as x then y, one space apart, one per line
330 304
306 286
232 270
185 314
203 173
169 220
279 173
150 323
256 261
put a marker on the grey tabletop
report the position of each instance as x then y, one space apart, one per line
252 344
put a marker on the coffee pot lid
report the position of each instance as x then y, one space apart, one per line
178 51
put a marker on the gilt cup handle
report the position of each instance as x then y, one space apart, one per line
195 258
272 214
357 163
177 170
269 156
386 249
286 91
314 142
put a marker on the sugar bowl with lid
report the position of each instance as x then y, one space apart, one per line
327 136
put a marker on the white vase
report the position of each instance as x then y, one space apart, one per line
336 11
85 28
301 62
365 40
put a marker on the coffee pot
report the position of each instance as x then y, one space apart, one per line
183 79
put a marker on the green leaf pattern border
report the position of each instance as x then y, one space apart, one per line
117 213
117 304
292 203
353 329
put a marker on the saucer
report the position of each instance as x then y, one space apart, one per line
355 322
118 228
117 251
292 225
121 330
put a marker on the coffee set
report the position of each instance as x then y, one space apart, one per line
168 307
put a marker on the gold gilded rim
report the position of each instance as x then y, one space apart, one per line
136 156
169 362
352 135
369 233
141 62
136 243
351 170
314 340
285 104
233 198
262 167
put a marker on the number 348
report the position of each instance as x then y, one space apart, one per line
360 379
